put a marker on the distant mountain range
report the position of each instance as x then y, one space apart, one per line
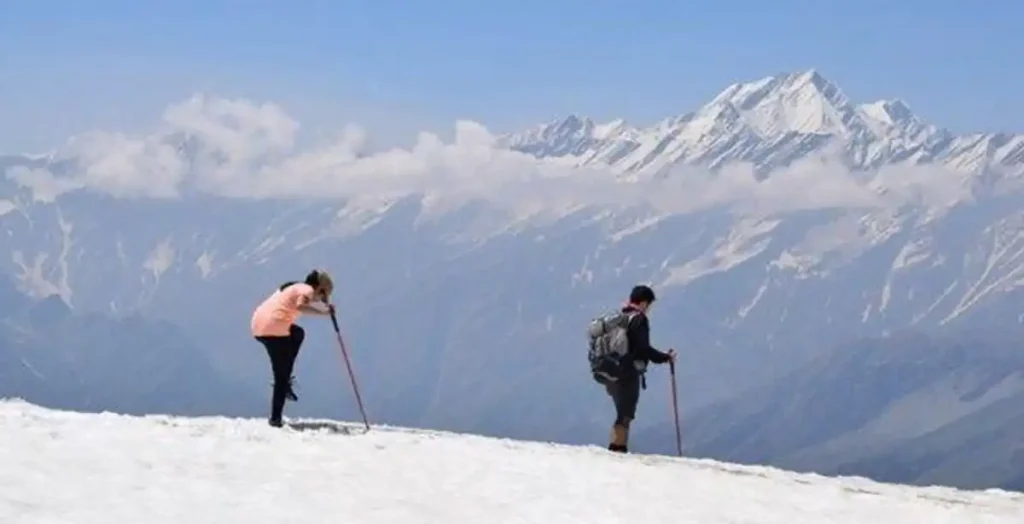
90 362
771 123
905 408
777 222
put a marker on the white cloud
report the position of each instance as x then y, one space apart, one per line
44 185
236 148
125 166
932 185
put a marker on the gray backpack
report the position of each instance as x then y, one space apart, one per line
607 345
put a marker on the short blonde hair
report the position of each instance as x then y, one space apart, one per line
324 283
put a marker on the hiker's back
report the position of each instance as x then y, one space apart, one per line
275 315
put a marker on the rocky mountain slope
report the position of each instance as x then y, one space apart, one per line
924 410
90 362
776 221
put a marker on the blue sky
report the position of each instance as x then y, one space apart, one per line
398 67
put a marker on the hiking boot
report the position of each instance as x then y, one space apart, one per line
275 422
619 441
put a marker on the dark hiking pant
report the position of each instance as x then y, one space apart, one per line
625 395
282 352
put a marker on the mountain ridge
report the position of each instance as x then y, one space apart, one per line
756 118
466 270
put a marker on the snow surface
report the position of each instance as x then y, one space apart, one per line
88 468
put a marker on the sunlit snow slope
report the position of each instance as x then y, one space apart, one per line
87 468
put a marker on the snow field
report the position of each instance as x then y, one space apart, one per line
62 467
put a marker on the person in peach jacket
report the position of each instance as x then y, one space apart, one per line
273 325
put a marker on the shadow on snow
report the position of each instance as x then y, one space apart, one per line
325 426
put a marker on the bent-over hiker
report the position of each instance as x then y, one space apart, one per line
273 325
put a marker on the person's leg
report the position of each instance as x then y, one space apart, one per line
296 336
278 351
612 389
625 394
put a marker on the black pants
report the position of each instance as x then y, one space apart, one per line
625 394
282 352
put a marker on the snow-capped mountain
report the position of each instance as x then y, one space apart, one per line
770 123
777 220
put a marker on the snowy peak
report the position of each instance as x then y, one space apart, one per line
797 102
563 136
611 129
808 103
769 123
894 113
894 119
575 137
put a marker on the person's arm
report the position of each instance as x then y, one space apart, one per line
639 335
310 310
305 307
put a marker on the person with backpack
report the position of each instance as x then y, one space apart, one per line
273 325
620 349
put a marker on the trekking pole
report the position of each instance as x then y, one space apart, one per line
675 406
348 365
